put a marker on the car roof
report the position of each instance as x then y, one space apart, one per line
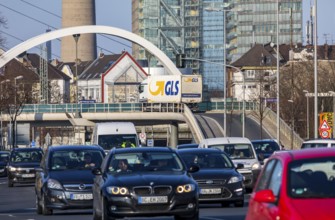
28 149
142 149
197 150
226 140
75 147
263 140
320 141
304 154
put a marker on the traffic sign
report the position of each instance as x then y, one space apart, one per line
150 142
324 125
143 136
325 133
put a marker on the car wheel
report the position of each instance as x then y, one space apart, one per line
45 210
193 217
10 183
38 206
239 203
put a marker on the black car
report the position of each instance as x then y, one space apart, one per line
218 179
4 158
22 164
65 178
146 181
265 148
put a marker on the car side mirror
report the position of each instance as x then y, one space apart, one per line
193 169
96 171
264 196
239 166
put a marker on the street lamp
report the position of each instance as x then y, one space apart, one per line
76 39
292 122
15 98
332 93
278 79
315 72
307 117
224 60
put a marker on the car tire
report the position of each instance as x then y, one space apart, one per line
10 183
193 217
45 210
38 206
239 203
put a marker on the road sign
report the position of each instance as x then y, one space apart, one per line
324 125
325 133
150 142
143 136
33 144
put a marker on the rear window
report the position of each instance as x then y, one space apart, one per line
314 145
236 151
265 147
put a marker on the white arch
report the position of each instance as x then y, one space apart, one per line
89 29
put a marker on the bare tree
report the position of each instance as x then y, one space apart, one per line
3 23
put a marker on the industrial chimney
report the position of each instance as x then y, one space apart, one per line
78 13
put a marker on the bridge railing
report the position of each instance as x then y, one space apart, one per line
129 107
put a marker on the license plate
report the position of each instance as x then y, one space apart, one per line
28 175
152 199
210 191
87 196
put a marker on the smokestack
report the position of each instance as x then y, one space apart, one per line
78 13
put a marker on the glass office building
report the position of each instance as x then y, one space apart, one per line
196 28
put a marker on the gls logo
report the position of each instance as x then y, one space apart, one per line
191 79
168 88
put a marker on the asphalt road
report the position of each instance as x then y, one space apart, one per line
18 203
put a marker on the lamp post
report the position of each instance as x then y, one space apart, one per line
76 39
15 103
292 122
278 79
315 72
332 93
224 10
307 117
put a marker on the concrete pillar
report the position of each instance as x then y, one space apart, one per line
173 135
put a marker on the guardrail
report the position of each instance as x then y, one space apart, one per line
130 107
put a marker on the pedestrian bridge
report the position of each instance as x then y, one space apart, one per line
139 113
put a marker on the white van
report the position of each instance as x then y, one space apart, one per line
241 151
318 143
115 134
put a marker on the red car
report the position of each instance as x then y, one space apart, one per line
295 185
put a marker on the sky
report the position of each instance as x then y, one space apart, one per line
29 18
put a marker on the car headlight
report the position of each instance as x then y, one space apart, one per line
185 188
12 169
116 190
54 184
235 179
256 166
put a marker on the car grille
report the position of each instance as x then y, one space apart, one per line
146 208
219 182
25 170
78 187
225 194
156 190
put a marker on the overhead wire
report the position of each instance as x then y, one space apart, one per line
36 20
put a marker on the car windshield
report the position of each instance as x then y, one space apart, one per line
118 141
236 151
313 145
26 156
75 159
4 157
265 147
207 160
145 162
312 178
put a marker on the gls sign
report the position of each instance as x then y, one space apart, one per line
168 88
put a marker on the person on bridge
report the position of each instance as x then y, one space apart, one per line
127 143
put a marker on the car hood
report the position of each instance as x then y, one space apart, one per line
149 178
314 208
24 164
72 176
214 174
